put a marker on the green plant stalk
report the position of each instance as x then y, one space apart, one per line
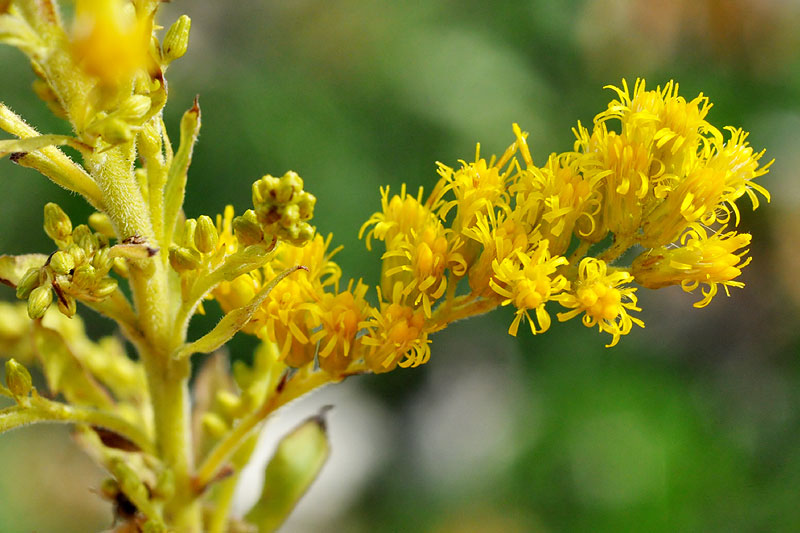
167 380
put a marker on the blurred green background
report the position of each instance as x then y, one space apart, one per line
692 424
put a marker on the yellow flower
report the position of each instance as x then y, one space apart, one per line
599 295
399 215
287 316
557 198
108 40
713 261
420 262
528 282
396 336
477 187
626 173
339 317
501 236
707 194
661 118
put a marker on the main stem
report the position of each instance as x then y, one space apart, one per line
168 380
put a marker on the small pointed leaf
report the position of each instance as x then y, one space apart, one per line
231 322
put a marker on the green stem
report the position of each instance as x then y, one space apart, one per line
223 497
300 384
43 410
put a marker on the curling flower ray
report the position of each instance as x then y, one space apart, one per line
477 187
396 336
603 299
340 317
711 260
398 216
555 197
529 282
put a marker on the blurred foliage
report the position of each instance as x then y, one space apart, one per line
688 425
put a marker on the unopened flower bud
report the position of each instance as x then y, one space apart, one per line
102 260
104 287
289 184
77 253
133 107
229 403
28 282
184 259
102 224
18 379
247 229
39 300
116 131
149 140
57 224
61 262
205 236
84 276
85 238
67 305
189 228
214 425
177 39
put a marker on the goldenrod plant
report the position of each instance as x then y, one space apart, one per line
647 196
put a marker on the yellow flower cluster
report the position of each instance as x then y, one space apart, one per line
524 235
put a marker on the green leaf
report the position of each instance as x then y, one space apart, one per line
291 471
13 267
231 322
64 371
175 188
31 144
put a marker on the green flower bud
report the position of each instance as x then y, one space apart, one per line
39 300
189 228
102 224
177 39
290 215
28 282
247 229
104 287
289 185
102 260
84 277
214 425
230 404
67 305
150 143
133 107
85 238
184 259
57 224
77 253
18 379
206 237
62 262
115 131
305 202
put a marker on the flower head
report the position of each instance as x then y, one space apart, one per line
602 298
109 41
396 336
713 261
529 282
